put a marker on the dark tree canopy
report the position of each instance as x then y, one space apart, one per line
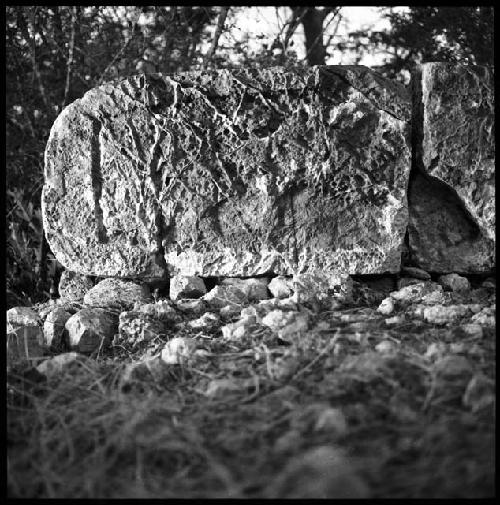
421 34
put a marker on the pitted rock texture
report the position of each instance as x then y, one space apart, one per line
231 173
452 193
73 286
117 293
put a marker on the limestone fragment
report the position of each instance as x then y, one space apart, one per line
53 366
178 351
117 294
135 327
486 317
386 307
454 282
74 286
415 292
220 296
182 286
442 314
88 329
452 195
207 321
193 306
286 324
53 328
280 287
254 289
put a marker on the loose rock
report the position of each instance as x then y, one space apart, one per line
254 289
54 330
286 324
386 307
88 329
207 321
220 296
118 294
454 282
182 286
56 365
178 351
440 314
280 287
74 286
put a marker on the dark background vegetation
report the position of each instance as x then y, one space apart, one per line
54 54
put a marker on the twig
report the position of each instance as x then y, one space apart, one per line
70 56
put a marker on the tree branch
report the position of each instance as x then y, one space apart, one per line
30 41
70 56
218 31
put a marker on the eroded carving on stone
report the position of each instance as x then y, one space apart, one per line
233 173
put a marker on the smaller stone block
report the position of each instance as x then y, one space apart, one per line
186 286
88 328
73 286
53 328
118 294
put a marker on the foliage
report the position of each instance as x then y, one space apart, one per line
421 34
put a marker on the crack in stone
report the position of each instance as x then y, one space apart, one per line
96 178
363 92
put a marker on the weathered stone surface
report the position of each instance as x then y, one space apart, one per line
89 327
178 351
73 286
207 321
193 306
135 327
53 328
182 286
24 335
452 195
454 282
117 293
280 287
220 296
254 289
286 324
234 173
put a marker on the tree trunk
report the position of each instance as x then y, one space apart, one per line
312 21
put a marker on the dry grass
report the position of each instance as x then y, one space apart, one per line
83 435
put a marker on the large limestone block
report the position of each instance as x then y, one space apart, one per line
452 194
231 173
